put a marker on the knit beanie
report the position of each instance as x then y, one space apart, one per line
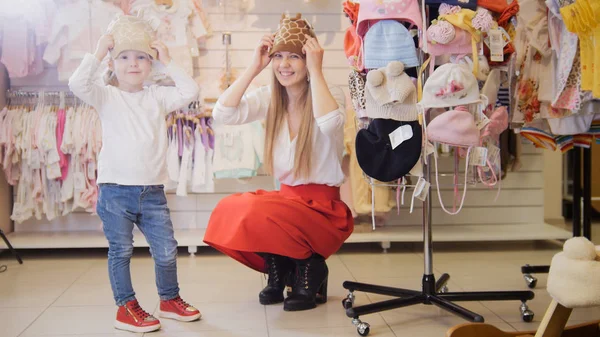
391 94
290 34
132 33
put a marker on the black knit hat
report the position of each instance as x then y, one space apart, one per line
375 154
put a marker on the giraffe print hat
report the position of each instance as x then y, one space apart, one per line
290 34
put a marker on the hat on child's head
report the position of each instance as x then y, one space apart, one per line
132 33
387 41
290 35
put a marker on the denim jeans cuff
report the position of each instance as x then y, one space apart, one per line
167 298
122 303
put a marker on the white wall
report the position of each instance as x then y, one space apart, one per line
522 197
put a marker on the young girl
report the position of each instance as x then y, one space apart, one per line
288 233
132 167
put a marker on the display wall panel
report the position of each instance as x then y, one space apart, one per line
519 204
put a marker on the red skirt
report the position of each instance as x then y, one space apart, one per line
296 221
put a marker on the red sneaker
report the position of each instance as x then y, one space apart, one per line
131 317
179 310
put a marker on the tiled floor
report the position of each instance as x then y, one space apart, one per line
66 293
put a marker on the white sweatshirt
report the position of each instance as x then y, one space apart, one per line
134 132
328 138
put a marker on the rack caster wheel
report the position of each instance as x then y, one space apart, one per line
348 301
526 314
444 289
530 280
362 328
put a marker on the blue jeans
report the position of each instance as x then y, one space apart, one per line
119 207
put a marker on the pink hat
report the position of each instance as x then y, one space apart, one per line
498 123
455 127
372 11
461 44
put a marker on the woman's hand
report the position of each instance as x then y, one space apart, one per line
261 54
163 52
105 44
314 55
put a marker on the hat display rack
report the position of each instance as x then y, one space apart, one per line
433 291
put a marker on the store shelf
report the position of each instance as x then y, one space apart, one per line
193 237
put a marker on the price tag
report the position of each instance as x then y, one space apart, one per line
228 139
53 171
91 170
493 153
52 157
478 156
35 159
400 135
421 189
496 45
79 181
483 122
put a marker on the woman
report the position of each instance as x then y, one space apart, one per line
288 233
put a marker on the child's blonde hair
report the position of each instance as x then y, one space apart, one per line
110 78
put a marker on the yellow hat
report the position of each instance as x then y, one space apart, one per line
132 33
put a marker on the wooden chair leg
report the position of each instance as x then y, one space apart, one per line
554 321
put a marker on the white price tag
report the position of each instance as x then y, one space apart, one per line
483 122
91 170
52 157
228 139
421 189
79 181
478 156
35 159
496 45
493 153
400 135
53 171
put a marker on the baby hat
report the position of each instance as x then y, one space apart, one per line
455 127
132 33
391 94
462 3
450 85
372 11
387 150
387 41
290 34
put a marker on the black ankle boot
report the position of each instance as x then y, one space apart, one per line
279 269
310 284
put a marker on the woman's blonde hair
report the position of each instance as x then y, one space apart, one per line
275 121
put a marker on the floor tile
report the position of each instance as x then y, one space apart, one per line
222 316
20 295
75 321
211 333
434 327
13 321
350 331
330 314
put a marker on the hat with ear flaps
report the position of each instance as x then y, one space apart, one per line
290 35
133 33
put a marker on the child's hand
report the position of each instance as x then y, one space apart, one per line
163 52
105 44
